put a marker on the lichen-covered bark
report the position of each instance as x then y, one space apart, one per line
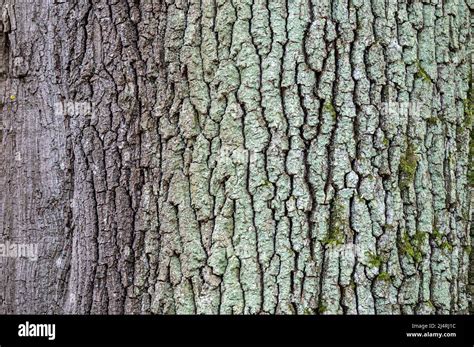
236 157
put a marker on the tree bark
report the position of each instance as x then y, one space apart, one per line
236 157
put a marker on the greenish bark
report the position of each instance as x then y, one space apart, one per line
236 157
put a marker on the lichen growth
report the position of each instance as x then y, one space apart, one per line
467 124
408 165
329 108
470 170
412 246
432 120
440 242
437 235
448 247
384 276
374 260
336 234
334 238
420 237
421 73
266 183
322 308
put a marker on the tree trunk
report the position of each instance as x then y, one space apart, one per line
236 157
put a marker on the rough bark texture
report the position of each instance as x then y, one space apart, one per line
236 156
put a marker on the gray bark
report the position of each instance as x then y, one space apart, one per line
236 156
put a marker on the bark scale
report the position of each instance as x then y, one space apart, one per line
260 156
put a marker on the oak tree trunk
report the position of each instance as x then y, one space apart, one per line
236 156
